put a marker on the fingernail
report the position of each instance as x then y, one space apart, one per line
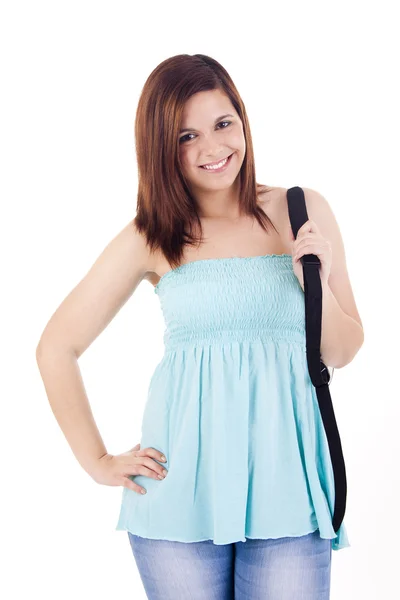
163 458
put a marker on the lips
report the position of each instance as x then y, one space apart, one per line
216 162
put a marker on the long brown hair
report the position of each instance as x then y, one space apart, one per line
166 210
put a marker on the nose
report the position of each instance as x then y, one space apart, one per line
211 149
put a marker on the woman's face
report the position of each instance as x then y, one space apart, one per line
209 139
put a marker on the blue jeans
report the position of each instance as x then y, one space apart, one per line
289 568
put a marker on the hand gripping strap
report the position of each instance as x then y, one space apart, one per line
318 371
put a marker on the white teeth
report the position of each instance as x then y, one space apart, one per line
218 166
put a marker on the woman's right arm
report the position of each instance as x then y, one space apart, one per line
76 323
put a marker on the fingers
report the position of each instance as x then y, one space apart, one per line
155 471
147 469
131 485
152 452
150 468
144 464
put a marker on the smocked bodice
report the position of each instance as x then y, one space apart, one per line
232 299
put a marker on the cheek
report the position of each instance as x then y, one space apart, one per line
239 142
186 157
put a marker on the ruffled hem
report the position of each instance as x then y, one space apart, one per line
335 544
246 456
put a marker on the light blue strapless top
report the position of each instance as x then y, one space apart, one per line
232 407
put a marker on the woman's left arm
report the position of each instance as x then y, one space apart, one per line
342 333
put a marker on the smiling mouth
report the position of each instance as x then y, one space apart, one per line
217 162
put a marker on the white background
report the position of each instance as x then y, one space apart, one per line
319 83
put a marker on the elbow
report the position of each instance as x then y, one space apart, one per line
39 351
352 352
50 347
42 347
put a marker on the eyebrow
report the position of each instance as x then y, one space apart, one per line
215 122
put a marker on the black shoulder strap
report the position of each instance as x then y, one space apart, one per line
318 371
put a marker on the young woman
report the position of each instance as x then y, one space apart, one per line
241 503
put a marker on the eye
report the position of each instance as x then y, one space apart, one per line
229 122
184 137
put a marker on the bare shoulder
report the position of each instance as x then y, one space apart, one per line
272 200
100 294
127 255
